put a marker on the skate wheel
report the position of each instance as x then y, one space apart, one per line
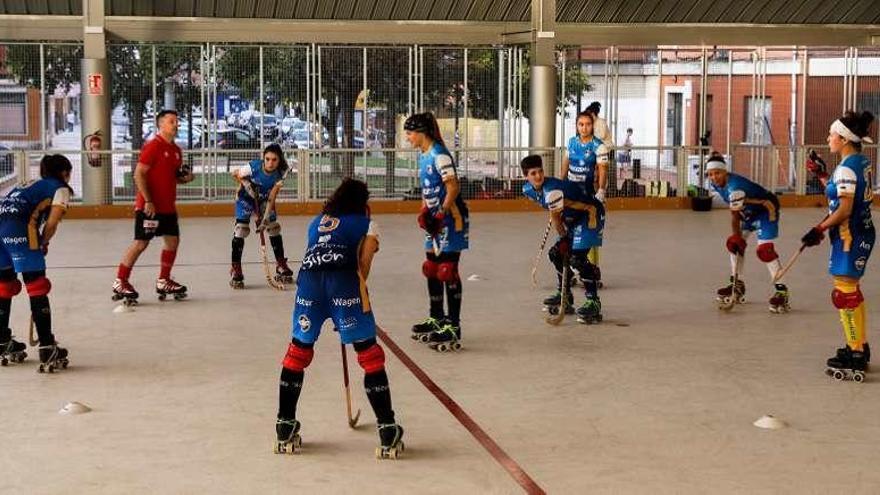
443 348
41 369
161 297
858 377
115 297
4 362
50 369
178 297
838 375
456 346
741 300
392 454
64 364
424 338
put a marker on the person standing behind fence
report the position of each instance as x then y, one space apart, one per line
444 218
852 235
159 170
586 163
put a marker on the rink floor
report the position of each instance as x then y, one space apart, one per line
658 399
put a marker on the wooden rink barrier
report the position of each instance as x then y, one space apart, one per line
399 206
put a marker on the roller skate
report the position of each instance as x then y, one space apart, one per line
866 349
283 273
124 291
288 439
237 280
166 287
552 303
848 364
779 301
52 357
422 331
727 296
12 351
447 338
390 441
590 312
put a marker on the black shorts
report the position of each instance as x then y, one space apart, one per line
146 228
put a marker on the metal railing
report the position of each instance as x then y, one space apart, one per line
485 173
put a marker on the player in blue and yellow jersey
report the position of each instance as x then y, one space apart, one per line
29 218
444 217
852 235
342 241
260 181
586 163
752 209
579 219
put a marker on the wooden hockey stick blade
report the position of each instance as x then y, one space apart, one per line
352 422
31 340
436 245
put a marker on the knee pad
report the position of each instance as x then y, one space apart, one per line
447 271
9 288
241 230
273 229
767 252
38 287
372 359
298 358
846 300
430 269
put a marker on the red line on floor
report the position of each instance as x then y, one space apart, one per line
470 425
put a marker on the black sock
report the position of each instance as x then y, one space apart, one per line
277 246
435 295
379 394
42 316
289 387
453 299
237 249
5 308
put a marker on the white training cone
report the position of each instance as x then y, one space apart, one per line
122 308
768 422
474 278
74 408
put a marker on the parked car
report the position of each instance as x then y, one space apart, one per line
236 139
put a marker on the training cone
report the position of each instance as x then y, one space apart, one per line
768 422
74 408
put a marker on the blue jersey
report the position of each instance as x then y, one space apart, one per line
435 167
333 242
263 182
583 159
749 199
25 208
852 178
582 213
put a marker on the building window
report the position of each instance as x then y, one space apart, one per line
757 120
13 113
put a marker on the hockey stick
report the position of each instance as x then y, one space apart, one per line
789 264
539 253
556 319
265 258
352 421
31 340
730 301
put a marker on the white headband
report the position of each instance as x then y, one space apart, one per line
716 164
843 131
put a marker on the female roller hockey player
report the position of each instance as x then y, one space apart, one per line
332 284
260 182
852 235
752 209
579 219
586 163
23 250
444 217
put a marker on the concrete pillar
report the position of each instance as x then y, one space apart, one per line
542 81
95 108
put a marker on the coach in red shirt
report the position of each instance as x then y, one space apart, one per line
156 176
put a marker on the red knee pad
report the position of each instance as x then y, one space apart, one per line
767 252
9 288
38 287
448 271
297 358
430 268
846 300
372 359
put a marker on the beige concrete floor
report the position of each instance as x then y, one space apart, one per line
184 394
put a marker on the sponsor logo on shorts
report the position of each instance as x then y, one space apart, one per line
304 302
15 240
324 238
860 263
348 322
865 245
346 302
304 323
